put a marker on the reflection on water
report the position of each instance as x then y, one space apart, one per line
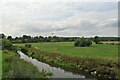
57 72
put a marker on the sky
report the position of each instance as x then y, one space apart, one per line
73 18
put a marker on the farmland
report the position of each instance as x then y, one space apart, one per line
59 39
67 48
97 60
97 57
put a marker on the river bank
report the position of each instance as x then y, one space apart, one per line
13 67
91 67
57 72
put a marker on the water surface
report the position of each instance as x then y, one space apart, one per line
57 72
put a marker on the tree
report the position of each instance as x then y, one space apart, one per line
2 36
9 38
96 39
83 42
89 42
25 37
77 42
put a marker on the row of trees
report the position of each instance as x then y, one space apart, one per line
29 39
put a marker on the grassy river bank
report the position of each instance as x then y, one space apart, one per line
96 67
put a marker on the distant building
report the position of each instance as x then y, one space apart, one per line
2 36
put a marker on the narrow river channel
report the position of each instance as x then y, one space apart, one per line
57 72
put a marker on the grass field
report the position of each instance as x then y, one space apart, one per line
67 48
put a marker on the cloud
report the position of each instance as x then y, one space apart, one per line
64 18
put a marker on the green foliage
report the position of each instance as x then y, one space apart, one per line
14 67
96 66
2 35
17 41
67 48
82 42
6 44
28 45
9 38
96 39
24 50
0 64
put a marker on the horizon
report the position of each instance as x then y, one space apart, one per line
58 36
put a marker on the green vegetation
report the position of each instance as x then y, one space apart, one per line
96 39
98 67
36 39
14 67
83 42
110 42
100 59
67 48
6 44
0 64
0 59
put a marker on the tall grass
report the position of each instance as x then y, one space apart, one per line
14 67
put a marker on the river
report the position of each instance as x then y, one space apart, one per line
57 72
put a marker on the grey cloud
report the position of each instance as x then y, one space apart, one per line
109 23
72 19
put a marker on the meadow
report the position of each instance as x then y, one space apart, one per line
68 48
100 60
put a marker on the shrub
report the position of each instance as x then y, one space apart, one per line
28 45
6 44
89 42
77 42
96 39
24 50
82 43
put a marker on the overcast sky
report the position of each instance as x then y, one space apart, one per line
63 18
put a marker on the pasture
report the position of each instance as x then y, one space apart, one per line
68 48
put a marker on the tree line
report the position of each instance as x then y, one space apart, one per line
30 39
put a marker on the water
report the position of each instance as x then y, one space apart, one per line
57 72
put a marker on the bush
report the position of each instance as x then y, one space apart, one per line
77 42
96 39
28 45
82 43
24 50
6 44
89 42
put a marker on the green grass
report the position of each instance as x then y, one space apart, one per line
0 64
14 67
67 48
101 66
